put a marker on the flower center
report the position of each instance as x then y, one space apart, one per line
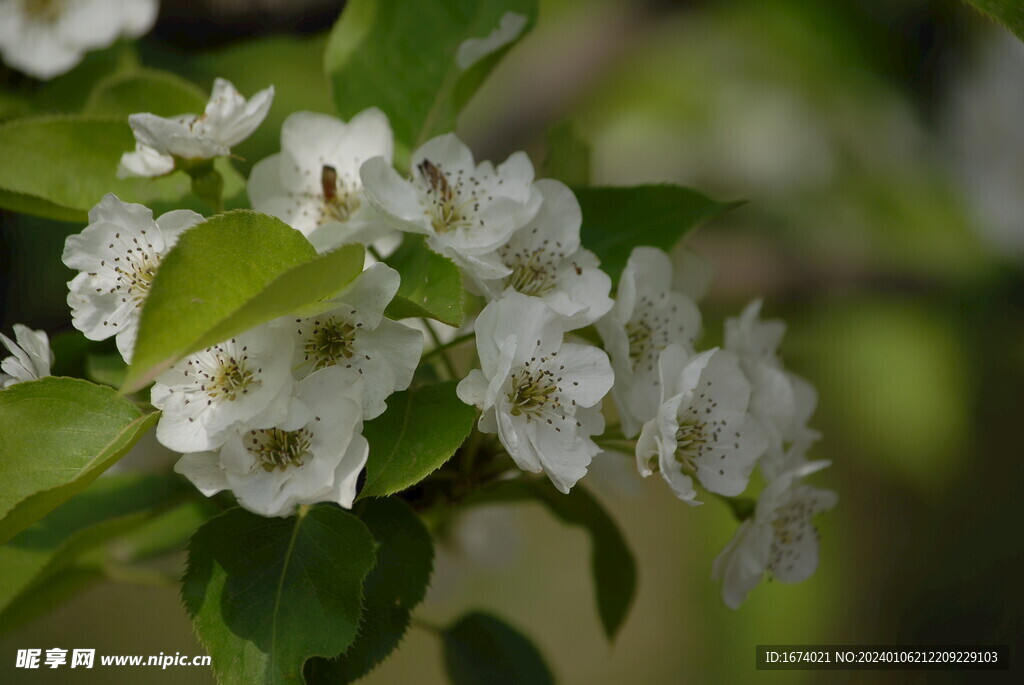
231 379
340 200
278 449
534 390
448 209
43 10
691 440
330 342
533 273
138 275
640 336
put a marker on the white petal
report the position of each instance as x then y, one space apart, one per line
741 565
204 470
586 371
473 50
394 196
144 162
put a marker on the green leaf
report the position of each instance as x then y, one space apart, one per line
225 276
167 532
431 284
400 55
419 432
611 562
56 436
615 220
59 167
1010 13
481 649
398 582
145 90
568 155
267 594
105 509
47 594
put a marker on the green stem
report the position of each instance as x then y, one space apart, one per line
448 345
445 360
136 575
426 625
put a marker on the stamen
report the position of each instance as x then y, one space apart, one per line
279 449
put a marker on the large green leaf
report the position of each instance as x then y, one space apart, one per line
419 432
405 555
1007 12
225 276
401 56
615 220
611 561
431 284
265 594
105 509
60 166
56 436
145 90
481 649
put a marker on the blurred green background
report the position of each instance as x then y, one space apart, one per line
881 148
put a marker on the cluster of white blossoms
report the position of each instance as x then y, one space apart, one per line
45 38
275 414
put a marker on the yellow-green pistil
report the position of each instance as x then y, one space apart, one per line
330 342
278 449
43 10
232 379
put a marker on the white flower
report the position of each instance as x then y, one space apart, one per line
239 384
350 332
117 256
31 356
782 401
45 38
779 538
314 455
228 120
313 184
547 261
541 397
648 316
466 210
702 427
472 50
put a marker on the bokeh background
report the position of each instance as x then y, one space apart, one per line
880 146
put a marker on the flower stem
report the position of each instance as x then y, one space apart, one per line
445 359
448 345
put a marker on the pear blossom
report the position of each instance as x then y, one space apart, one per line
648 315
31 357
782 401
313 184
779 538
546 261
703 427
244 382
541 396
351 333
466 210
45 38
314 454
228 120
117 256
